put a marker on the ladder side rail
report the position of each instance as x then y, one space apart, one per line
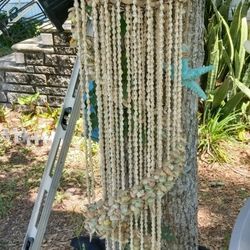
59 135
56 178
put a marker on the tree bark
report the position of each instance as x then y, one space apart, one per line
181 204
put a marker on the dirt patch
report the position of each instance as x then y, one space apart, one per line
20 175
21 169
224 188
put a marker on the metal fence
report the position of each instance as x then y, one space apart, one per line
19 20
18 4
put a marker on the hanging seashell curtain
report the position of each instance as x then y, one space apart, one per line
136 65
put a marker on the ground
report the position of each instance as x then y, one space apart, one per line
223 189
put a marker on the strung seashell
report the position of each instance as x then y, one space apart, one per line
139 112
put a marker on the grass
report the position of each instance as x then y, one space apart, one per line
227 240
25 150
74 176
215 132
33 175
60 196
243 193
18 173
3 112
22 169
7 195
4 146
78 220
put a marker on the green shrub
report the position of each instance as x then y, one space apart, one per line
3 113
225 115
228 84
19 31
32 113
216 131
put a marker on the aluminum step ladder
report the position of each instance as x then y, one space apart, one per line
56 160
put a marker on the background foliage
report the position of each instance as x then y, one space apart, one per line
228 84
226 114
23 29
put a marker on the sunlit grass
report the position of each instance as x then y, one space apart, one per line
216 132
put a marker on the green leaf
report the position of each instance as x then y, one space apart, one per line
28 100
237 64
246 77
242 87
240 54
228 38
236 24
225 8
245 8
212 36
221 92
226 62
225 50
231 105
214 58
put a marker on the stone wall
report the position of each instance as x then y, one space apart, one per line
43 65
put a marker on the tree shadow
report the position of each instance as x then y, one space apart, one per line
20 175
62 227
18 154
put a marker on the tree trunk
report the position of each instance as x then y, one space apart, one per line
181 204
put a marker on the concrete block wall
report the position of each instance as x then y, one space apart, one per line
43 64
